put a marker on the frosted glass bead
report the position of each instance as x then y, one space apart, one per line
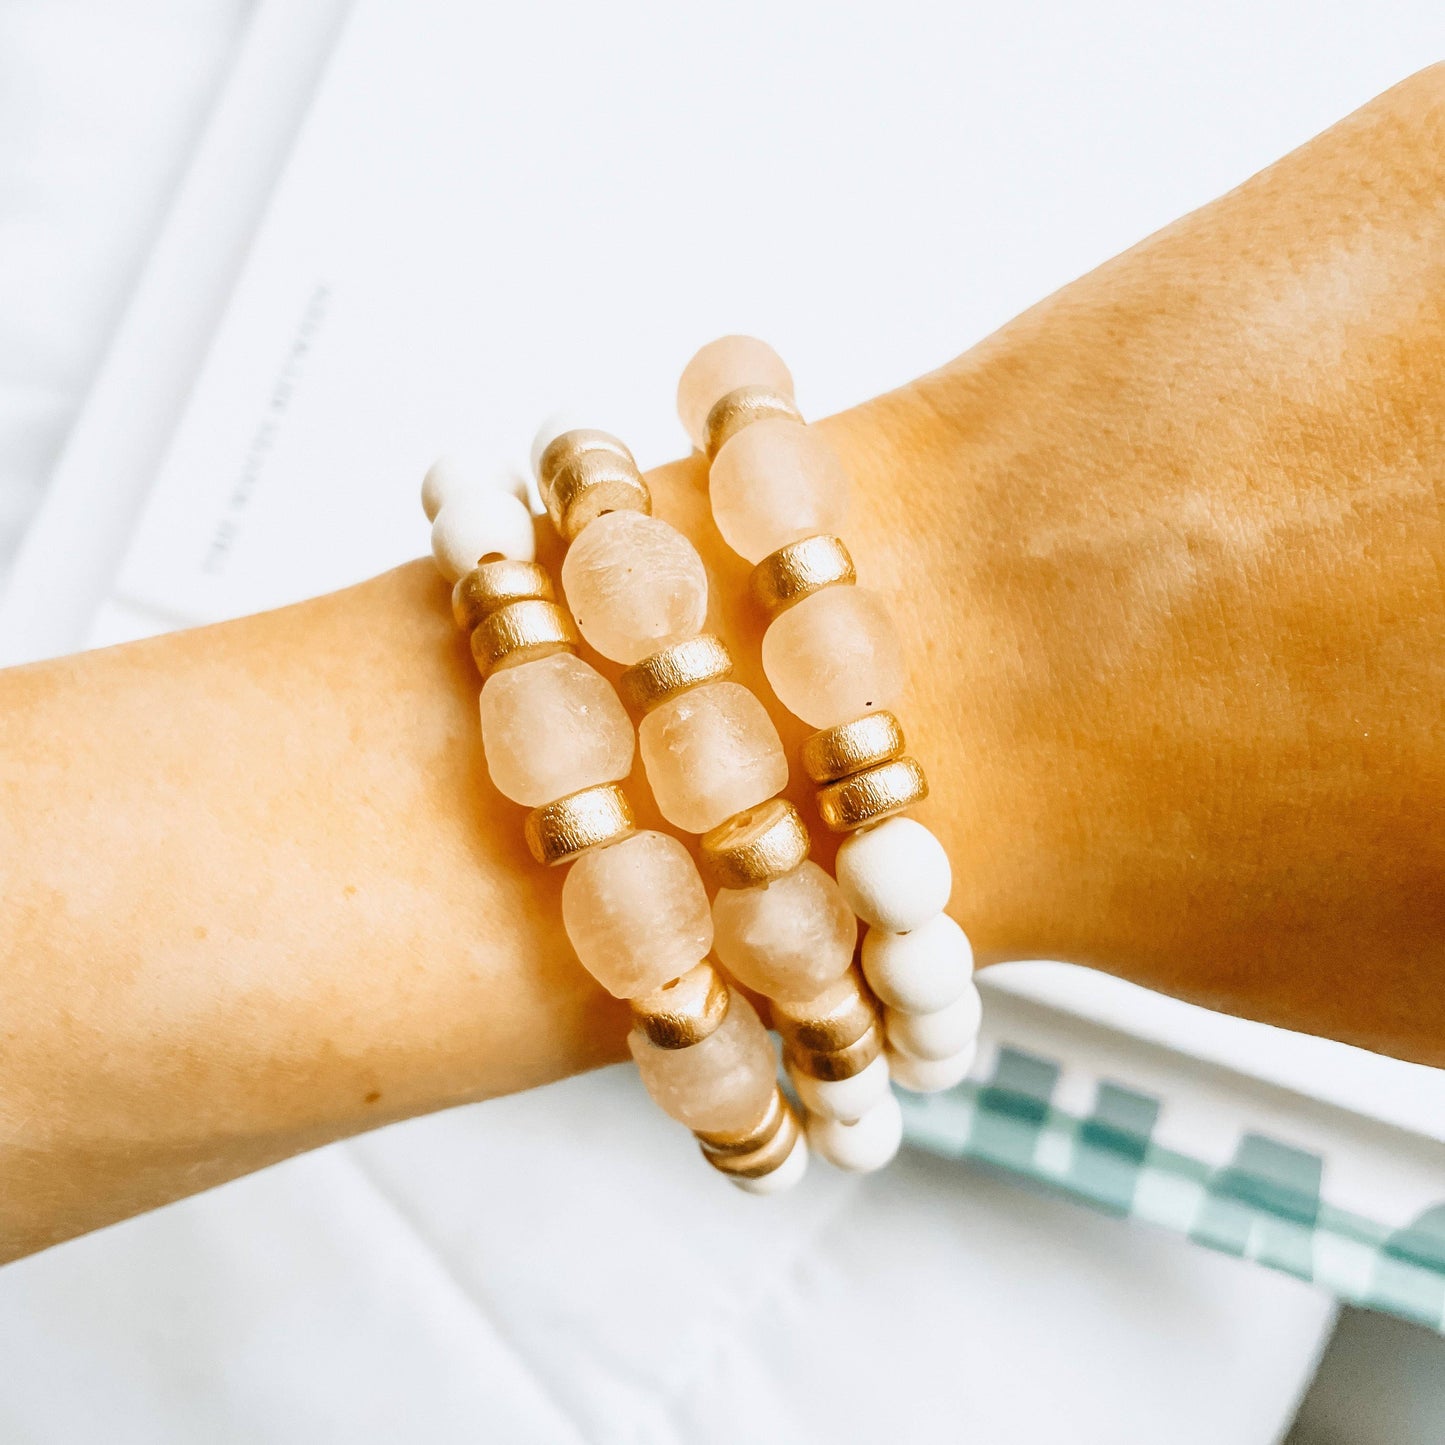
449 478
551 727
637 913
834 656
866 1144
719 1085
936 1035
895 875
711 753
776 482
929 1076
788 939
723 366
843 1098
789 1173
921 970
481 524
634 584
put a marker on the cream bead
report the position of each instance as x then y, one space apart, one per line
551 727
895 875
637 913
930 1076
710 753
937 1035
450 478
786 1176
559 423
788 939
723 1083
481 524
634 584
834 656
723 366
776 482
921 970
866 1144
843 1098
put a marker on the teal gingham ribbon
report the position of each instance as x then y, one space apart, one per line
1264 1205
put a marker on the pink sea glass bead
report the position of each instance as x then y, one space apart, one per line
723 366
637 913
789 939
834 656
775 482
719 1085
551 727
710 753
634 584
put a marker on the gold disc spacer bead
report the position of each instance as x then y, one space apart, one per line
583 474
766 1157
783 578
740 408
685 1011
850 747
491 585
557 832
841 1025
831 1065
673 670
872 795
745 1141
755 846
521 631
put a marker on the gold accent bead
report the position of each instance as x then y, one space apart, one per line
745 1141
491 585
740 408
836 1028
583 474
674 669
755 846
685 1011
783 578
833 753
520 632
831 1065
872 795
558 832
766 1157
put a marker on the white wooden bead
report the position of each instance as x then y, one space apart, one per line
921 970
556 425
843 1098
450 478
480 524
895 875
864 1145
937 1035
784 1177
930 1076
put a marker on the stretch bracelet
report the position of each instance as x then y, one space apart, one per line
779 497
558 741
638 592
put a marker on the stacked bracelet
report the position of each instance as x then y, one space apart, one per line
779 498
558 741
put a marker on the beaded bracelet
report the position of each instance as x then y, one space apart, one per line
779 497
637 589
558 741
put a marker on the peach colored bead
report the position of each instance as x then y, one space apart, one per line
711 753
773 483
634 584
722 1084
788 939
637 913
551 727
723 366
834 656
